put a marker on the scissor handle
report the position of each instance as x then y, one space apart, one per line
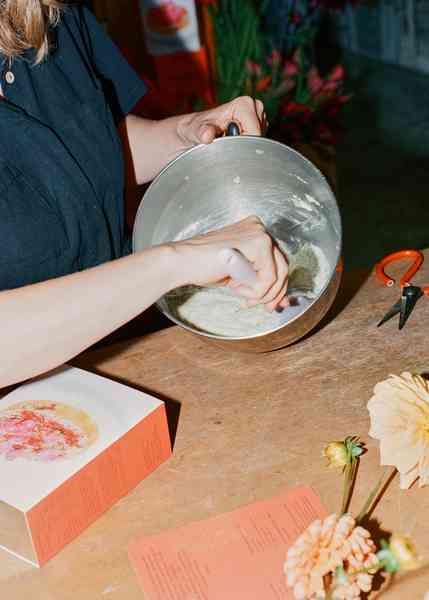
408 275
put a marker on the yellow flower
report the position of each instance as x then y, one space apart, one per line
405 552
399 413
337 455
343 454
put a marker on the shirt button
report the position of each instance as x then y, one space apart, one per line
9 77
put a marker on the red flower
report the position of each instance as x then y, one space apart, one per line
290 68
337 74
253 68
275 58
263 84
314 81
294 108
333 111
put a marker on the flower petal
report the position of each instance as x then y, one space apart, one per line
396 452
407 479
423 468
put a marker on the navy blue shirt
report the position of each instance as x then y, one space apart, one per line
61 162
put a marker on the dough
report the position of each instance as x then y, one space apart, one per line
219 311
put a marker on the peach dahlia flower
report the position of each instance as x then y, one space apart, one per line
324 546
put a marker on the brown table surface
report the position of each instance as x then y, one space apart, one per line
248 426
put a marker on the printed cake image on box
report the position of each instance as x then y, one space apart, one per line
71 444
170 26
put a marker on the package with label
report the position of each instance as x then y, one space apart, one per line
71 445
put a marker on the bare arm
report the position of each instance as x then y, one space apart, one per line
150 145
153 144
46 324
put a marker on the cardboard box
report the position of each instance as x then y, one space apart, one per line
71 445
173 41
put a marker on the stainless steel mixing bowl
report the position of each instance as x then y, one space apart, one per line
210 186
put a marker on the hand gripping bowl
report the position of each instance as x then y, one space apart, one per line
213 185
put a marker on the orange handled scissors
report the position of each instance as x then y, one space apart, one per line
410 294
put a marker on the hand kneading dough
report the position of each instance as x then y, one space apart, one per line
218 311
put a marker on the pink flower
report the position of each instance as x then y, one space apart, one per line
330 86
284 88
337 74
290 69
295 109
315 83
275 58
253 68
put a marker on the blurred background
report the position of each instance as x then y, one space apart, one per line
344 82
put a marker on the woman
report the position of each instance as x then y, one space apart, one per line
66 276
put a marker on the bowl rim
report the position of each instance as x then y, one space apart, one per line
217 336
240 139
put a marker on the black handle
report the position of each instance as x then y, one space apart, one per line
233 129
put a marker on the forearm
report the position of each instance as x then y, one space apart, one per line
150 145
46 324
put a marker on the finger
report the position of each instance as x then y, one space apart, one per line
246 112
244 292
225 282
207 133
264 124
285 302
259 107
262 116
279 300
282 270
234 284
267 278
277 290
240 289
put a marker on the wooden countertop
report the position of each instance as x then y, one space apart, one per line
246 427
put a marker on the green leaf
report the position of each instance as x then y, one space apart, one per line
388 560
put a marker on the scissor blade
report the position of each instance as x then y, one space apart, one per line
410 295
392 312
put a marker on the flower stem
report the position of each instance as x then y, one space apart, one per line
349 473
385 477
327 586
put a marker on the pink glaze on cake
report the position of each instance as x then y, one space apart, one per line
168 13
30 434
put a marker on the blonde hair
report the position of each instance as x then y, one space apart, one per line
24 24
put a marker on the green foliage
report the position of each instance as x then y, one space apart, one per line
238 38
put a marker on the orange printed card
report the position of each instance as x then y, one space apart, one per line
238 555
71 445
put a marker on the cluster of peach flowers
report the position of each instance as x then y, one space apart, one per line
335 543
336 558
